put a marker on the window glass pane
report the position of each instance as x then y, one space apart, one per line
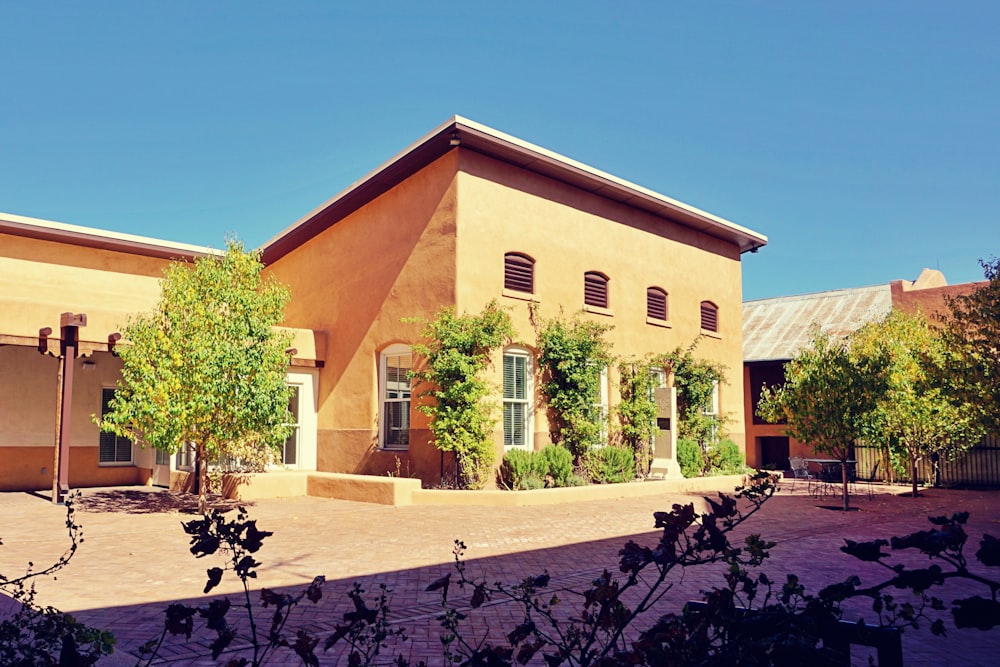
289 452
516 399
112 448
395 381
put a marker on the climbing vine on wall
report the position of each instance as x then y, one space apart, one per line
637 410
456 352
572 355
695 380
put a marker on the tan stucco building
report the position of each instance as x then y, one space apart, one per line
464 216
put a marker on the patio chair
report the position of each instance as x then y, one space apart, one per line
800 470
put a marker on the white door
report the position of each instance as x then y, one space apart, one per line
161 469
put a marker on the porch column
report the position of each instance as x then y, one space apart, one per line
70 324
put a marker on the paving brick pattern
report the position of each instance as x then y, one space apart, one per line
133 562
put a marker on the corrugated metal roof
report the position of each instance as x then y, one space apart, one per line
778 328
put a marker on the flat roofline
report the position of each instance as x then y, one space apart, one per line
60 232
459 132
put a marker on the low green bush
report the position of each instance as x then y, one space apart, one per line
725 458
611 465
559 464
518 465
690 458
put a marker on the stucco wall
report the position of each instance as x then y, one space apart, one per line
27 431
41 279
355 282
567 232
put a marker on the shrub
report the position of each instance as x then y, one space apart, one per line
532 482
559 464
611 465
725 458
519 465
690 457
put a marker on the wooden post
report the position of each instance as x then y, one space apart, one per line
69 348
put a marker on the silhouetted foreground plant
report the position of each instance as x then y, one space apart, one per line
623 618
34 635
750 620
238 539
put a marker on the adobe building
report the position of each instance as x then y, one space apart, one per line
464 216
776 329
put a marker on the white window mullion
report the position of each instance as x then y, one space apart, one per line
517 399
394 389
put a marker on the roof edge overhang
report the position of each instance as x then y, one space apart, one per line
60 232
459 132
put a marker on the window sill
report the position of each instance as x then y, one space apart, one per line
394 448
116 464
711 334
658 323
520 296
597 310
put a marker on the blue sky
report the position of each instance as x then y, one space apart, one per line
862 138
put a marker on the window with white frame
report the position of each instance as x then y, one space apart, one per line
517 398
601 407
395 363
713 405
712 409
184 459
290 449
112 449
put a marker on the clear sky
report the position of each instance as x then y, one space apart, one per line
861 138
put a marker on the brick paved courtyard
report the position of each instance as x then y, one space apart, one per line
134 561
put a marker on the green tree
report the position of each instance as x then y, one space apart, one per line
573 354
457 351
207 366
915 417
827 398
972 331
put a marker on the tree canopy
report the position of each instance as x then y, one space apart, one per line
972 331
207 366
915 417
827 398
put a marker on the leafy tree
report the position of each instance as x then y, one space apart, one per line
457 351
573 353
915 417
973 335
827 399
207 366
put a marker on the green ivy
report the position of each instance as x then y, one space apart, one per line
457 351
572 355
637 411
695 380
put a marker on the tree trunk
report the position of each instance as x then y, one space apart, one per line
843 476
202 473
913 475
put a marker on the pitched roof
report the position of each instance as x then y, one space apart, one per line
468 135
776 329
